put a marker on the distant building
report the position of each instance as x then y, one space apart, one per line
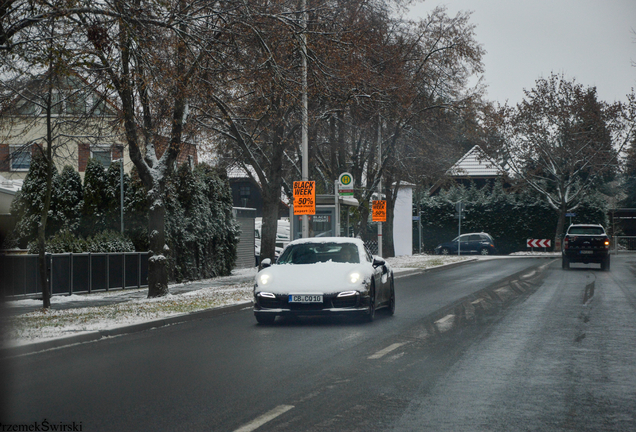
246 191
475 167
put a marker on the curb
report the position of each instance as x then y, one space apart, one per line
426 270
118 331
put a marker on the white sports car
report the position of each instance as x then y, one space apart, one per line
323 276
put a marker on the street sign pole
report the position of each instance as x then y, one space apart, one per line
459 233
459 207
305 112
379 182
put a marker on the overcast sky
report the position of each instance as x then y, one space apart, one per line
592 41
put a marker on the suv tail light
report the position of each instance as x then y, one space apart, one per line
565 243
607 244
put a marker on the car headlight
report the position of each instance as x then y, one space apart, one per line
266 294
264 279
354 277
347 293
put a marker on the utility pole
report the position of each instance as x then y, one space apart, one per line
379 181
305 112
121 186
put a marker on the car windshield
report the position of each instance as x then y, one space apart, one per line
586 230
311 253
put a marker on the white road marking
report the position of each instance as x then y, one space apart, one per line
268 416
386 350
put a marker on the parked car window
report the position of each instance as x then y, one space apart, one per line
586 230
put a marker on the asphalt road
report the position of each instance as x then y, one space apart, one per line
510 344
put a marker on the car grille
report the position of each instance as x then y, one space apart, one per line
330 301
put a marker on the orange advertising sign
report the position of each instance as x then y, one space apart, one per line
304 197
378 211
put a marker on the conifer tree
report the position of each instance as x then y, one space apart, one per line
68 200
95 199
28 203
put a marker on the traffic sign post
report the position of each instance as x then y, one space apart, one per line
459 207
345 184
533 243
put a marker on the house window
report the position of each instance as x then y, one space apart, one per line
20 158
244 191
102 154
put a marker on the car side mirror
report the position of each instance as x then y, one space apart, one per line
267 262
377 261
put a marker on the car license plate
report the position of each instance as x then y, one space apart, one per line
305 298
587 252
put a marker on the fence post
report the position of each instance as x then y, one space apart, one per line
107 271
49 270
123 270
90 273
70 273
139 270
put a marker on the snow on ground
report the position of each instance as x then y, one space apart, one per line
42 325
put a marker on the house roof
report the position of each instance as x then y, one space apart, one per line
475 163
10 186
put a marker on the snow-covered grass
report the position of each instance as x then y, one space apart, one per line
41 325
423 261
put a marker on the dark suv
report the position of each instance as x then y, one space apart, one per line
479 243
586 243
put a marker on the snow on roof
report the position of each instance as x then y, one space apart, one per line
237 171
10 187
475 163
328 240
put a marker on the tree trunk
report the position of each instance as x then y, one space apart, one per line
559 229
388 247
157 262
271 198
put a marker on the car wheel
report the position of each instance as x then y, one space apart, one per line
484 251
605 264
565 263
265 319
445 251
391 308
370 315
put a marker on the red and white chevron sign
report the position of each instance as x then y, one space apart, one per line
539 243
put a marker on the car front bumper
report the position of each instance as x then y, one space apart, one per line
331 305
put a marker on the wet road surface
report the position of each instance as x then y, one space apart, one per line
510 344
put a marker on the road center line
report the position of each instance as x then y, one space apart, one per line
268 416
386 350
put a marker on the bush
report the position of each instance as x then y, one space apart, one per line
200 228
511 218
65 241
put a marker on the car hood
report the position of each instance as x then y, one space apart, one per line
316 278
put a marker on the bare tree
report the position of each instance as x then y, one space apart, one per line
563 142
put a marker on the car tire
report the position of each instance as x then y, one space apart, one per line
445 251
565 263
391 307
265 319
484 251
605 264
370 314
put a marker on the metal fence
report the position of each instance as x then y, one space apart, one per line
624 244
73 273
372 246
